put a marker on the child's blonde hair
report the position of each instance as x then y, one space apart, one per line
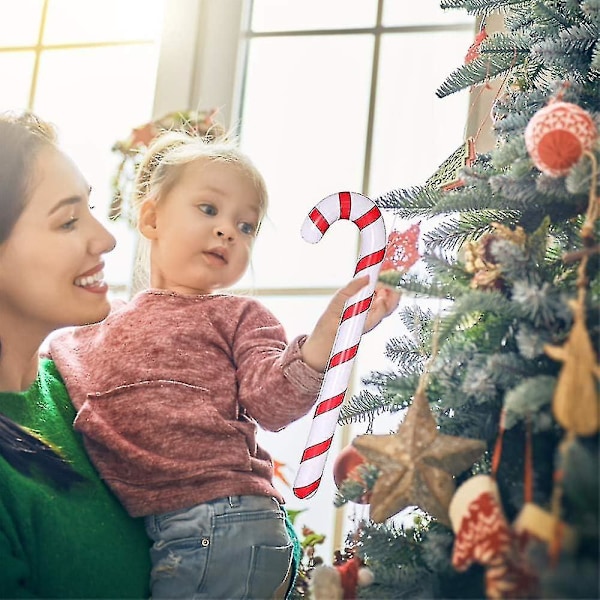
170 152
158 172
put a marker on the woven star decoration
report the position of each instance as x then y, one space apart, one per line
417 464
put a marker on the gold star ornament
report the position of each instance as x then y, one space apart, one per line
416 464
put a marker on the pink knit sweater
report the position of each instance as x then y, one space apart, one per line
169 389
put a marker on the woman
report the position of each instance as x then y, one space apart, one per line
62 532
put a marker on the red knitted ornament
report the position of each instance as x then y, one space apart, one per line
557 136
473 51
483 536
402 250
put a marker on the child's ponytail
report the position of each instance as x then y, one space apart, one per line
156 168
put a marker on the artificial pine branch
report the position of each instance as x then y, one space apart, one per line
410 203
530 401
473 303
365 406
455 231
482 8
552 16
404 544
405 353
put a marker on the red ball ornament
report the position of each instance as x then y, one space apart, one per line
557 136
345 466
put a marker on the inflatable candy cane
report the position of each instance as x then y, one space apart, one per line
367 217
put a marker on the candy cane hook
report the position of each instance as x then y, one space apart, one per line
367 217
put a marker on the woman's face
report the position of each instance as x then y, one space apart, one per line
51 265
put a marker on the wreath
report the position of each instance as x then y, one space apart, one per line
131 151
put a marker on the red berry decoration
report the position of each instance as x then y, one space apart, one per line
558 135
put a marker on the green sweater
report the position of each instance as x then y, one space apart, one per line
54 544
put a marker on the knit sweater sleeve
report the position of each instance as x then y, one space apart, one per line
275 386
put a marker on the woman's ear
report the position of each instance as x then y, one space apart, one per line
147 219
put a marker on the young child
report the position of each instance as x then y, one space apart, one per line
170 387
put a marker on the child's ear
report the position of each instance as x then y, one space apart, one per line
147 219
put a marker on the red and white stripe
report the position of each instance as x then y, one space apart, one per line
367 217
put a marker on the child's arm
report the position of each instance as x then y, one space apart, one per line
318 345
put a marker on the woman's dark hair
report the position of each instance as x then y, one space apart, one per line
22 136
27 453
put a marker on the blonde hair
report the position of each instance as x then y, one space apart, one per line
159 171
170 152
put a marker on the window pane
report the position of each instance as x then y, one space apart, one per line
312 14
23 25
304 124
414 129
424 12
16 68
94 104
74 21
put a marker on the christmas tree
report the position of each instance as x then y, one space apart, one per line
499 445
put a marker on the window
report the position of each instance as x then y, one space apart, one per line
340 95
90 68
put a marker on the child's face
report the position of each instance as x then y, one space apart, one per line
203 229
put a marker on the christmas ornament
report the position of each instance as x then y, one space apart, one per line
130 150
575 404
402 250
480 260
326 583
557 136
143 136
448 175
417 464
483 536
346 463
473 51
309 540
341 580
346 466
367 217
537 525
481 530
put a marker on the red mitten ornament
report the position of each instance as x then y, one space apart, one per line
484 536
557 136
482 531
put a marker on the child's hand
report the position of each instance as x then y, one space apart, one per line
385 302
318 345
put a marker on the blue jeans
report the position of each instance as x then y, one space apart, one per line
233 547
